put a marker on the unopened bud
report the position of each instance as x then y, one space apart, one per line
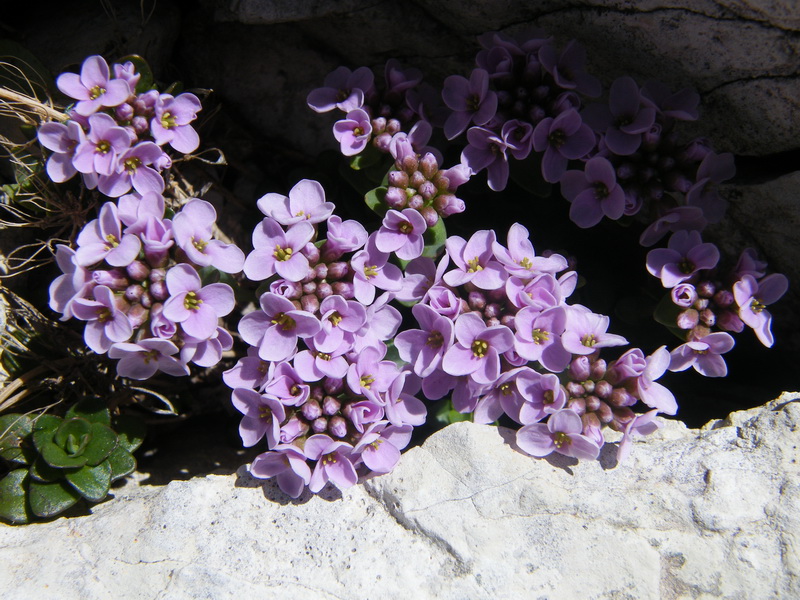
137 270
604 413
319 425
395 198
383 142
159 291
124 112
134 292
157 275
416 202
330 405
577 404
706 289
707 317
311 410
621 397
427 190
598 369
398 179
337 270
393 126
310 303
137 315
476 300
575 389
309 287
428 165
378 125
579 368
688 318
344 289
730 321
603 389
723 298
333 386
430 215
410 164
592 403
337 427
311 252
324 290
317 393
321 271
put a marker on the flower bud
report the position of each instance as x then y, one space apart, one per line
157 275
688 318
159 291
124 112
621 397
723 298
310 287
577 404
319 425
344 289
598 370
311 410
378 125
395 197
592 403
330 405
337 427
730 321
706 289
337 270
332 386
324 290
410 164
588 386
579 369
625 171
428 165
416 202
707 317
383 142
623 415
321 271
134 292
311 252
293 429
492 311
448 204
140 124
604 413
590 421
288 289
683 295
393 126
575 389
310 303
442 182
137 270
508 321
492 321
137 315
476 300
701 303
147 300
115 279
430 215
398 179
416 180
427 190
603 389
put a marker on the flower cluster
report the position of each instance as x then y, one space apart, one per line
134 279
115 136
316 382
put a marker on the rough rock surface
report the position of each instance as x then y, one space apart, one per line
711 513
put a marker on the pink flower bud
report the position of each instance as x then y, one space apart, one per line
337 427
311 410
333 386
319 425
310 303
330 405
430 215
688 318
416 180
324 290
134 293
398 179
138 271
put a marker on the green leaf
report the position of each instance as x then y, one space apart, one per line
13 504
92 482
15 446
146 74
49 499
103 442
47 423
121 462
73 436
375 200
368 157
55 456
435 237
130 431
446 414
41 471
93 410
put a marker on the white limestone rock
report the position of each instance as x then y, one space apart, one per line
711 513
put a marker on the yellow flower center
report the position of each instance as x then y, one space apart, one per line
191 302
370 271
112 240
132 164
96 92
757 306
540 336
199 244
406 227
589 340
479 348
335 318
284 321
167 120
561 439
366 381
102 147
474 265
282 254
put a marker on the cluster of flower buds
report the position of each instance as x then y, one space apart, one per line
316 383
134 279
712 304
115 136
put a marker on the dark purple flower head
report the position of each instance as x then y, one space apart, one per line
593 192
681 105
704 194
470 100
343 89
486 150
624 120
567 69
563 138
675 219
93 88
562 433
685 256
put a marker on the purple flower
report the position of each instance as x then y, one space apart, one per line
333 463
753 297
520 260
625 119
76 282
276 251
193 227
286 385
287 464
170 125
104 143
681 105
424 348
401 233
347 236
685 255
106 324
654 394
542 395
306 202
263 416
586 332
134 171
471 102
593 192
478 349
474 262
338 318
703 355
401 407
504 395
487 150
93 88
206 353
313 365
562 138
675 219
368 375
102 239
146 357
684 295
63 139
538 337
562 433
641 424
353 132
714 169
342 89
196 308
274 329
372 270
380 445
567 69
